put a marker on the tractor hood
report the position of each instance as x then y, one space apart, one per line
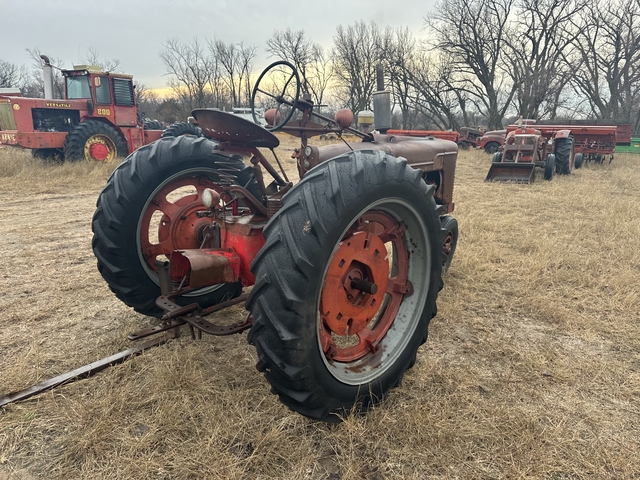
420 152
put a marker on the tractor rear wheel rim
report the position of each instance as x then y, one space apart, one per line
168 220
361 336
100 148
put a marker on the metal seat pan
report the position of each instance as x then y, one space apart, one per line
229 128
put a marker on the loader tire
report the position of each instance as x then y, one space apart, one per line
136 221
497 157
364 215
564 152
181 128
549 166
96 141
491 147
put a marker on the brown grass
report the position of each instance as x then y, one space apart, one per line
532 368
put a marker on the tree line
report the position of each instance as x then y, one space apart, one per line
479 63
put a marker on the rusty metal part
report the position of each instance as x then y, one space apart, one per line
274 202
194 316
229 128
246 195
205 267
147 332
86 371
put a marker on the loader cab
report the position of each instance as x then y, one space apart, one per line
109 95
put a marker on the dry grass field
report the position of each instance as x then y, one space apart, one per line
531 370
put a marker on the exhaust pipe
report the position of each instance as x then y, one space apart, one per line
47 71
381 103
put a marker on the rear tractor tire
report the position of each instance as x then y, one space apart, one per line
346 284
564 154
48 155
149 208
94 141
153 125
181 128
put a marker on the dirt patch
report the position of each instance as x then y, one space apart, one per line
532 368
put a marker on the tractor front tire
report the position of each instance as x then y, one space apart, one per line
149 208
549 166
497 157
564 151
178 129
327 346
579 160
450 241
94 140
491 147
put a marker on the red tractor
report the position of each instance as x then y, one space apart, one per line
97 119
345 266
526 148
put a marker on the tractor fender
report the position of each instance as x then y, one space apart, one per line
562 134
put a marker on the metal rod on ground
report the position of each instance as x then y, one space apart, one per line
86 371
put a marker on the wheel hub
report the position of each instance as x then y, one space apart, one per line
100 148
178 227
365 283
345 305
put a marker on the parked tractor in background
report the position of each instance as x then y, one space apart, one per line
345 265
527 148
96 120
465 138
491 141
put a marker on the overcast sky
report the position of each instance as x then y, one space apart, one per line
133 31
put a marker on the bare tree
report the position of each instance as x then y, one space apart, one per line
355 57
11 75
93 58
306 56
35 86
606 60
236 62
189 69
398 51
472 33
431 76
540 38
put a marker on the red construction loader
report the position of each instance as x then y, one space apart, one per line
527 148
97 120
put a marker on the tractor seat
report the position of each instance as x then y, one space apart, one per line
226 127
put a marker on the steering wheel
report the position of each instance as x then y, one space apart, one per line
278 87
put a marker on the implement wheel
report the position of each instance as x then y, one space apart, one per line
346 284
94 141
148 209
